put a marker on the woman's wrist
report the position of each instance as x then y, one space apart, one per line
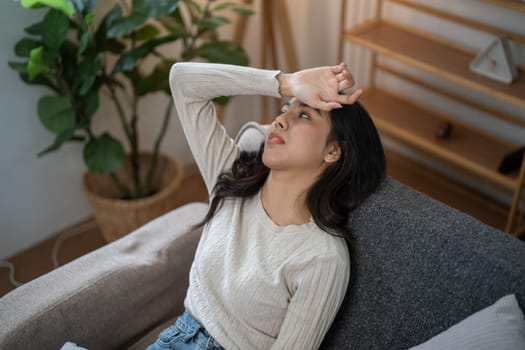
285 85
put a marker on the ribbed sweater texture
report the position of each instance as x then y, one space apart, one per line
253 284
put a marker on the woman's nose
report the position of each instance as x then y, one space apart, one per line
281 122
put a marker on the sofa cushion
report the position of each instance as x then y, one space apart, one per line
419 267
500 326
111 297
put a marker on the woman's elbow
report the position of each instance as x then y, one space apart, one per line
177 73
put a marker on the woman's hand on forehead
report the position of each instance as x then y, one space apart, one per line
320 87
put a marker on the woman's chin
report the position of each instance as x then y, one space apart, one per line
272 161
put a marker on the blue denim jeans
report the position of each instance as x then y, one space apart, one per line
186 334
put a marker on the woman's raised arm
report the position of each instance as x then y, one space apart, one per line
193 86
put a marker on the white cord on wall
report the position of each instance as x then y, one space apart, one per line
11 268
65 235
54 253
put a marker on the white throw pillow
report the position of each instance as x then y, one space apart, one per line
500 326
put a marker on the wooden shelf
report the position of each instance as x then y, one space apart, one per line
466 148
405 120
445 189
433 55
511 4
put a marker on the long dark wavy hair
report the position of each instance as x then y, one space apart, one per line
343 185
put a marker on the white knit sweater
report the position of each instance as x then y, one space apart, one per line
253 284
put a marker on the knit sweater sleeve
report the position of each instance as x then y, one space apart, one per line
321 287
193 86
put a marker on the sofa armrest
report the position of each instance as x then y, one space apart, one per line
111 296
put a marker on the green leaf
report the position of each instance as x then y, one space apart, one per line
20 67
36 65
223 52
111 45
142 10
155 8
212 22
175 27
160 77
194 7
46 80
83 43
23 47
89 18
147 32
54 28
85 6
61 5
56 113
125 26
85 75
156 81
242 9
140 85
222 100
131 58
61 137
34 29
104 155
91 102
89 5
69 61
101 40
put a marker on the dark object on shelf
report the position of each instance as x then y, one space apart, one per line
511 161
444 129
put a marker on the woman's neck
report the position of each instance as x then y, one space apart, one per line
283 197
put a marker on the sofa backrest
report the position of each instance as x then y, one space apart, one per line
417 267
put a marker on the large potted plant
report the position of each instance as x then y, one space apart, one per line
80 57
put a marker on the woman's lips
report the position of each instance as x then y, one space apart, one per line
275 139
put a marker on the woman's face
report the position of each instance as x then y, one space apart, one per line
296 140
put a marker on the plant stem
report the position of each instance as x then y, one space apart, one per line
161 56
121 114
199 31
123 188
158 141
135 164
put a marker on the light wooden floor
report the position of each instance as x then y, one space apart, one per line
37 260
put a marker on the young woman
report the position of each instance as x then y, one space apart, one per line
272 265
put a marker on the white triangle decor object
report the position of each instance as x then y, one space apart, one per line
496 61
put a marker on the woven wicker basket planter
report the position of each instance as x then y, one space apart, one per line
117 217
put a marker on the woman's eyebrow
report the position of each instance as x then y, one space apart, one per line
315 109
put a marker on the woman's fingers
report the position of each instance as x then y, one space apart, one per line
319 87
337 102
345 80
344 84
338 68
328 106
349 98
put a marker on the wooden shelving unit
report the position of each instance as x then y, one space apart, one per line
415 125
405 120
435 56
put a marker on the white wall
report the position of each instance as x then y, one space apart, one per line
40 196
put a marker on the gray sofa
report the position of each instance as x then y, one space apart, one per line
418 267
